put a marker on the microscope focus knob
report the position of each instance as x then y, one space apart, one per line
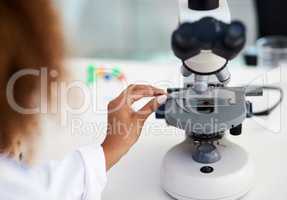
236 131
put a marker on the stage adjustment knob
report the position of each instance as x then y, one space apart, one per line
236 131
160 113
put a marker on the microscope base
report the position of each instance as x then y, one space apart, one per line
230 178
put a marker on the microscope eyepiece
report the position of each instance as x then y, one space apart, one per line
224 40
184 44
235 35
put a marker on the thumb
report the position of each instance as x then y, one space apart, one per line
151 107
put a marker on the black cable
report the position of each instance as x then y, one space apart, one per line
272 108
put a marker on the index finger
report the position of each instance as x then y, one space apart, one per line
140 91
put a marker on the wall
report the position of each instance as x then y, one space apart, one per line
133 29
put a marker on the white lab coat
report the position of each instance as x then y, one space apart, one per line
80 176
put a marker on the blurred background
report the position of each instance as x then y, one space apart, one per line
132 29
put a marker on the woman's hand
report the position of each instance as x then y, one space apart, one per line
124 124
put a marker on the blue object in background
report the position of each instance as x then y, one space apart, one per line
108 77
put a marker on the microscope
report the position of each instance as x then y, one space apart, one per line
207 166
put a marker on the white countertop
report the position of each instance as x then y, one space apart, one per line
137 175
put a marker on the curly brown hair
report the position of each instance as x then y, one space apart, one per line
30 38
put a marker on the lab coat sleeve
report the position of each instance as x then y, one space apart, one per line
95 171
80 176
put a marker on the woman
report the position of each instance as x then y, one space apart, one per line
31 39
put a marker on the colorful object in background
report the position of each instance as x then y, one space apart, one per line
94 73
